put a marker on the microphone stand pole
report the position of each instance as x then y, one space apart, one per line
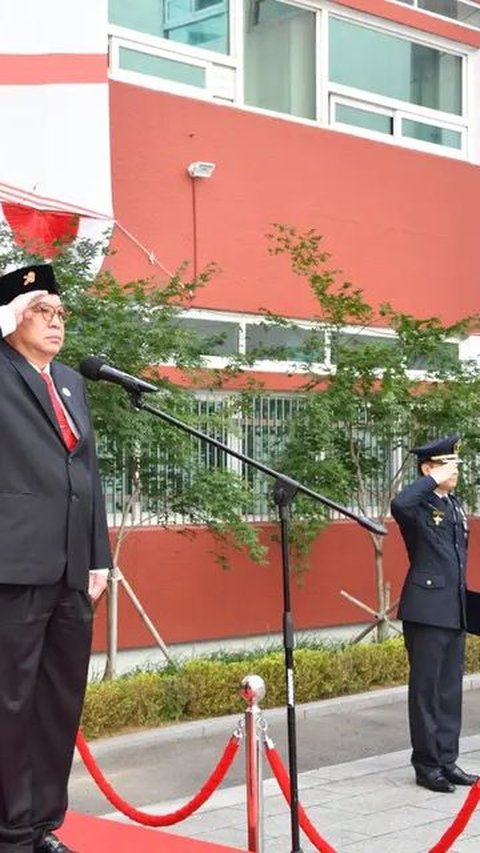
285 489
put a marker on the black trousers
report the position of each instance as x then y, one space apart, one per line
436 657
45 638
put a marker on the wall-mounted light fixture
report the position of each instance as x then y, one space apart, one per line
200 169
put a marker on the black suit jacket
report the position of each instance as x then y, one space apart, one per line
436 536
52 512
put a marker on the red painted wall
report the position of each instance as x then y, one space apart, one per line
189 597
399 223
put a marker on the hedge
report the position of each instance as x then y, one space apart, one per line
210 687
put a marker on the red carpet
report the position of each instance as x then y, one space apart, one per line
93 835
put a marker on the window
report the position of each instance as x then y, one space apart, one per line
396 67
463 11
285 343
326 64
217 337
154 65
420 86
279 50
198 23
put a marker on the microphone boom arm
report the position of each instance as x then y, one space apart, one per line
372 526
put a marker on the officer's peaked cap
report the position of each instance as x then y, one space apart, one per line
441 450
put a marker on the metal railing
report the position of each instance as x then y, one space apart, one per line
258 428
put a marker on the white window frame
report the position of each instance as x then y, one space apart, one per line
438 17
221 68
466 348
225 76
400 109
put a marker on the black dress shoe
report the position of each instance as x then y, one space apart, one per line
458 776
51 844
435 782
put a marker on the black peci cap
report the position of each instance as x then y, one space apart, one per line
441 450
25 280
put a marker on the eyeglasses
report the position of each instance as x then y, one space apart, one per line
48 312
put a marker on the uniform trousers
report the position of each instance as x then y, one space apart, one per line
436 658
45 639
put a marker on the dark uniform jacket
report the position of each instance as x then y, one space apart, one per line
435 534
52 512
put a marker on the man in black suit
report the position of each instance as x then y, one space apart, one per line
432 606
54 557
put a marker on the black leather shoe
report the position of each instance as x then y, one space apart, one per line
52 844
436 782
458 776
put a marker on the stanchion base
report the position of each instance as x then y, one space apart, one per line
84 832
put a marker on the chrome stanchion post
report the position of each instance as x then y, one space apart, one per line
253 691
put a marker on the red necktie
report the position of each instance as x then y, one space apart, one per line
69 437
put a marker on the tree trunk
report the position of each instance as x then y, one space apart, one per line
382 627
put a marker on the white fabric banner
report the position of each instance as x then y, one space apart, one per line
55 140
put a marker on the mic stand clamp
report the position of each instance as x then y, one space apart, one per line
136 399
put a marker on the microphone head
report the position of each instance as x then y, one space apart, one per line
91 366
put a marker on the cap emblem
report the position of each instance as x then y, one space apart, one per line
29 278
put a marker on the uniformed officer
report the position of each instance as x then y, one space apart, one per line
434 528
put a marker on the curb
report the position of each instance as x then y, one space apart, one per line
218 725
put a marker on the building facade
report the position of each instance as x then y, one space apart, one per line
358 118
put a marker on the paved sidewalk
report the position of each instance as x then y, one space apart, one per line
366 806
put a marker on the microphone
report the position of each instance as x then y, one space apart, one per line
94 368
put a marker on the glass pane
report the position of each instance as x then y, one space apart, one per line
355 341
364 118
463 12
200 23
431 133
285 344
468 15
211 34
378 62
423 362
459 10
219 337
142 15
280 58
159 66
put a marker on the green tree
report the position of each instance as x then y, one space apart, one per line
380 396
135 327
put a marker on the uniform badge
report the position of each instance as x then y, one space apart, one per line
29 278
437 516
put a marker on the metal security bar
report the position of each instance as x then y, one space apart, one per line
156 489
257 427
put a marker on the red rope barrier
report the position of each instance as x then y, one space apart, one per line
283 780
144 818
460 822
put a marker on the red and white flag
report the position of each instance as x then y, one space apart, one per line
55 177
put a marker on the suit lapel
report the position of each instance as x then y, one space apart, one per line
34 382
39 390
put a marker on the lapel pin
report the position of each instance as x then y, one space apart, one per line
66 392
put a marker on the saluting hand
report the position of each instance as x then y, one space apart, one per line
24 301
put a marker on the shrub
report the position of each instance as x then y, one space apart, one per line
210 687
